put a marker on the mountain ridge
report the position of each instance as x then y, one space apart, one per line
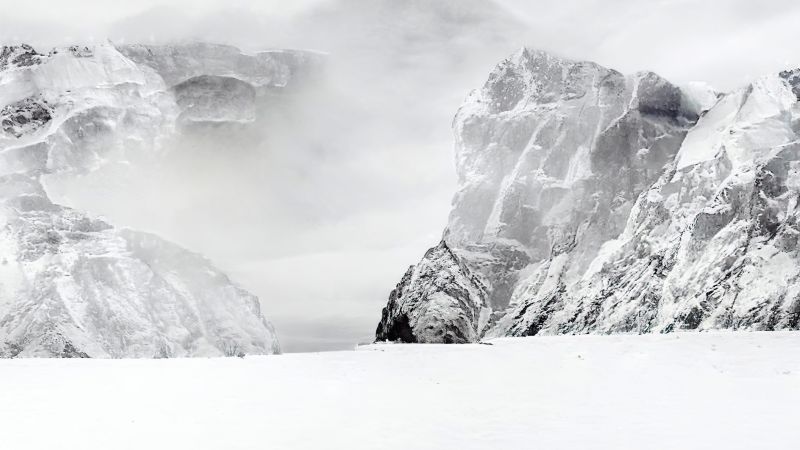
72 285
575 187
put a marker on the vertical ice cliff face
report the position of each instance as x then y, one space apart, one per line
558 161
75 286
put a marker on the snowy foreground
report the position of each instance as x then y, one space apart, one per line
679 391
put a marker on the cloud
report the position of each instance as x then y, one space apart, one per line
724 42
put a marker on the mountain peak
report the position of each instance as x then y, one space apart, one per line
592 202
532 76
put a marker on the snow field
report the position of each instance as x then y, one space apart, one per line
679 391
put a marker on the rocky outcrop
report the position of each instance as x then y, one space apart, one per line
24 117
19 56
793 78
436 301
75 286
592 202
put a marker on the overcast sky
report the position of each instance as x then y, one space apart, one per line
725 41
341 216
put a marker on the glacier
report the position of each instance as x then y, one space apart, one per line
73 285
594 202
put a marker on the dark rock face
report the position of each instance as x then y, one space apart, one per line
657 96
19 56
793 78
80 52
24 117
437 301
395 325
591 202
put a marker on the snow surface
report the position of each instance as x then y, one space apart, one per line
743 124
698 97
678 391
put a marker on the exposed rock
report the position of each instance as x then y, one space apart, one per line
559 171
75 286
19 56
793 78
585 207
437 301
24 117
81 52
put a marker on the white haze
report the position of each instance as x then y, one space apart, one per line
321 208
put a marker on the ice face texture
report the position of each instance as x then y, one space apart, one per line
75 286
592 202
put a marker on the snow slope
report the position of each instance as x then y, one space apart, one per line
671 392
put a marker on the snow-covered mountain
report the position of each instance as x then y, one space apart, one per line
72 285
593 202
